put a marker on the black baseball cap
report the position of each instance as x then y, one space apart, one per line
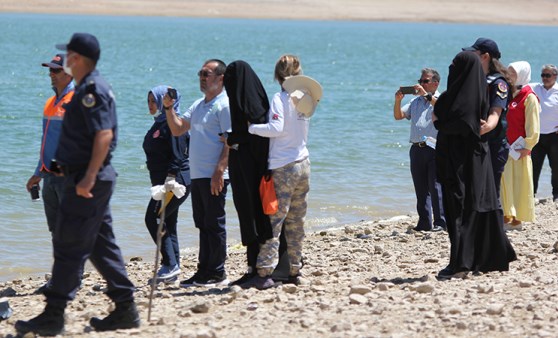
56 62
485 45
84 44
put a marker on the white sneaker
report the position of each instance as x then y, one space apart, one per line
166 273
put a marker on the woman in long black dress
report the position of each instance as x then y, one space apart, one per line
474 219
248 157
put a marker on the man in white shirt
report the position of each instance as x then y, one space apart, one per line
547 92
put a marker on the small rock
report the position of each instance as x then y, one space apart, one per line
201 307
252 306
495 309
289 288
425 288
360 289
525 284
136 259
357 299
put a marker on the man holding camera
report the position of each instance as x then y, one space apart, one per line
84 226
53 115
423 139
207 119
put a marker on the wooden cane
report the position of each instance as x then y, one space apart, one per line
165 201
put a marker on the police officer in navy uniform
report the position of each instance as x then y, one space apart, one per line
499 92
84 226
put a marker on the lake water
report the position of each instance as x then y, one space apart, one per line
359 153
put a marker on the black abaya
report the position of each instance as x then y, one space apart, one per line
248 163
474 219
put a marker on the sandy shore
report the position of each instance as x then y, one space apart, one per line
534 12
372 279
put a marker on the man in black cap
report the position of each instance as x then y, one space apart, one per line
84 226
53 114
499 92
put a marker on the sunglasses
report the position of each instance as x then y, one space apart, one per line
547 75
421 81
55 70
205 73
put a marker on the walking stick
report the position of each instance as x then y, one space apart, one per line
165 201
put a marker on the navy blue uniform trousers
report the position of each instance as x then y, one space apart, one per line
427 188
84 231
209 216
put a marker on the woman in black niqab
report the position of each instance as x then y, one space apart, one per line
248 156
473 214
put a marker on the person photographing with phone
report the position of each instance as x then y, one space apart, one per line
423 142
167 161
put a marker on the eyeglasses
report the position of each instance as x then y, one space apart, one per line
205 73
55 70
421 81
547 75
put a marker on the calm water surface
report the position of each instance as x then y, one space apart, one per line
359 153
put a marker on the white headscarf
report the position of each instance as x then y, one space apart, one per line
523 70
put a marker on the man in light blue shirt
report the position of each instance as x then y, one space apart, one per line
422 153
206 120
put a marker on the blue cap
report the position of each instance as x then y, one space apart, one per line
485 45
84 44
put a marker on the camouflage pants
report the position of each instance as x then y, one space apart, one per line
292 183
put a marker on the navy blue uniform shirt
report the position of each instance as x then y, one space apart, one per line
166 154
91 109
499 95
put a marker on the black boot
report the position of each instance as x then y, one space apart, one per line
125 316
48 323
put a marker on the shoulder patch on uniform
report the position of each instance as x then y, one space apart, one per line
88 100
502 90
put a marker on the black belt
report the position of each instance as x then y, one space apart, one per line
420 144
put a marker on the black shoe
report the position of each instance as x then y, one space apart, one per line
213 281
190 281
41 290
242 280
260 283
445 273
125 316
420 229
293 280
49 323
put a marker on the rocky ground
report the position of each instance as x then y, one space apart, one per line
372 279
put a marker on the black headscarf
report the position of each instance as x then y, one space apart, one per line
461 107
248 100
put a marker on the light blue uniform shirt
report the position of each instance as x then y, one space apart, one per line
419 111
207 121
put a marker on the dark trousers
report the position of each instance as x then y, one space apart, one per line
170 251
53 187
427 188
84 231
547 146
209 217
499 152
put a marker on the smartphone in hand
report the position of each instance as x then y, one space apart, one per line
408 90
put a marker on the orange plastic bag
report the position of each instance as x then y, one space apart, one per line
268 196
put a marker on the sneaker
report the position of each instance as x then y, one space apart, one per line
124 316
293 280
168 272
48 323
213 281
242 280
260 283
190 281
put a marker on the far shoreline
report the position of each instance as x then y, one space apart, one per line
510 12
